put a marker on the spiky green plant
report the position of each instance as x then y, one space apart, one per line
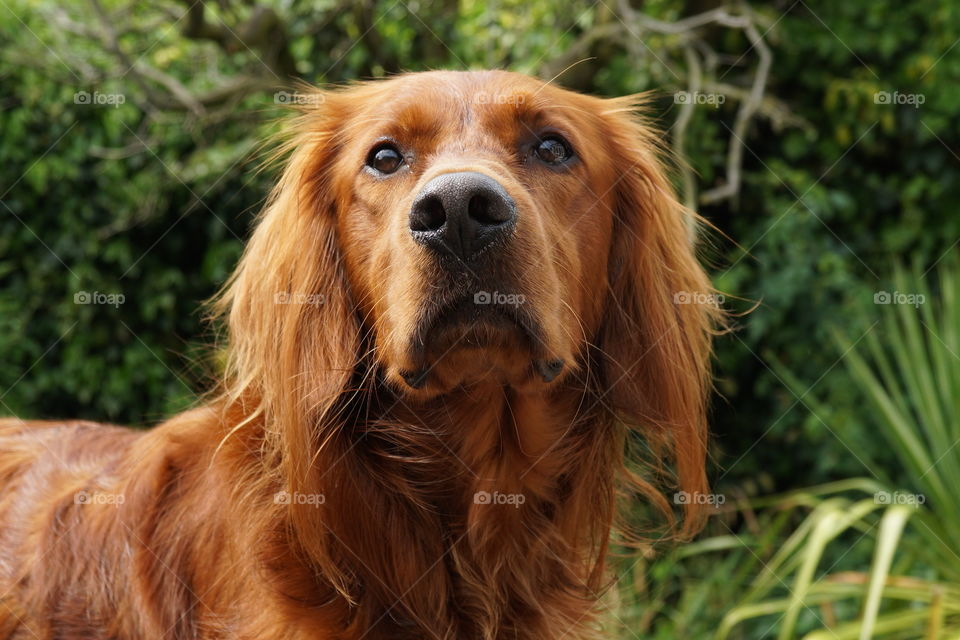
908 371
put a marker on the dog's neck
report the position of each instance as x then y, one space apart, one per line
498 434
477 489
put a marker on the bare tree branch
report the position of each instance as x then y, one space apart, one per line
679 128
745 114
263 32
699 67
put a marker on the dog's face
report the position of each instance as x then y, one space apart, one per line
475 219
450 229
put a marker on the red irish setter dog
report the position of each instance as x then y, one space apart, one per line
469 298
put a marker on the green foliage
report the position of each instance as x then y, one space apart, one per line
825 210
868 558
154 203
159 225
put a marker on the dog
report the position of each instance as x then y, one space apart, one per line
469 301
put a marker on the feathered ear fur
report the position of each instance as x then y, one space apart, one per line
661 315
296 371
293 334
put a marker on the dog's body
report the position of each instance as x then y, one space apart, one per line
382 459
191 551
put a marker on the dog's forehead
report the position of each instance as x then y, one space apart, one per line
451 101
469 87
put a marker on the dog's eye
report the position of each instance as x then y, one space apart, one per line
554 150
385 158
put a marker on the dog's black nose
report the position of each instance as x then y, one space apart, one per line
462 214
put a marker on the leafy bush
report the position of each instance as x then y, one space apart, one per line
803 569
154 204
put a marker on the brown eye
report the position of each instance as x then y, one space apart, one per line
553 150
385 158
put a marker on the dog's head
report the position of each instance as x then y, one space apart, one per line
449 229
477 221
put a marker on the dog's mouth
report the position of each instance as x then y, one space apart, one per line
478 331
483 321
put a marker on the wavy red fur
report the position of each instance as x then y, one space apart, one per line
314 494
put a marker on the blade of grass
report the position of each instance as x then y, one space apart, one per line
891 623
829 527
891 528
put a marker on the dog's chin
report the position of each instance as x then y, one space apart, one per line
491 330
468 345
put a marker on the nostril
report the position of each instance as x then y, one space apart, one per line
479 209
429 215
483 211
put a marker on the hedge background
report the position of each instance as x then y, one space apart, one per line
152 200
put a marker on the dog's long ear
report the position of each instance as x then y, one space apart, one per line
660 315
293 337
